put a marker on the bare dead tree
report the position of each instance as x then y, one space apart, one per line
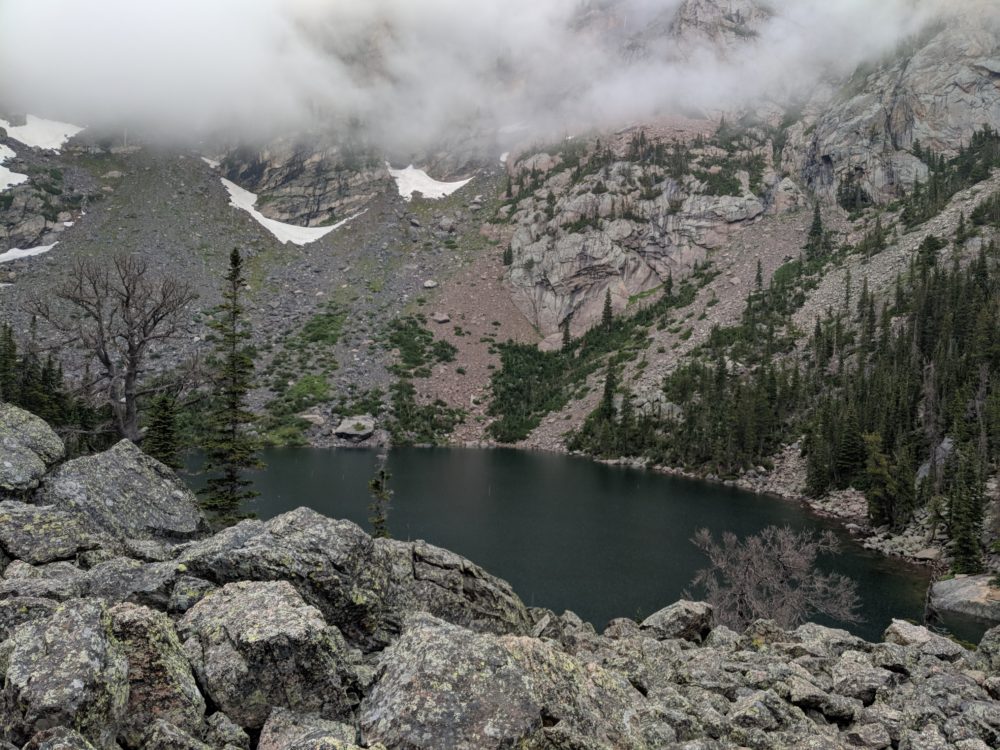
773 575
117 312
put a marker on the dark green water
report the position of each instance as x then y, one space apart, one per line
568 533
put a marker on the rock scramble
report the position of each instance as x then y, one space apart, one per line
304 632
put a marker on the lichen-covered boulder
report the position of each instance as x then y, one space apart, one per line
41 534
58 738
17 610
287 730
988 653
122 579
335 566
28 446
66 670
444 686
162 735
434 580
689 621
58 580
224 732
188 591
126 494
161 684
904 633
257 645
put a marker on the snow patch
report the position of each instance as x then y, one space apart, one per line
8 179
211 162
39 133
17 253
504 157
412 180
247 201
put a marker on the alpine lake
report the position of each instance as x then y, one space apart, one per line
571 533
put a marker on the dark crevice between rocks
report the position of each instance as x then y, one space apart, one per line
548 720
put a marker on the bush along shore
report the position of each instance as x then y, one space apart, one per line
125 623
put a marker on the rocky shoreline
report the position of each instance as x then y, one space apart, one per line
124 623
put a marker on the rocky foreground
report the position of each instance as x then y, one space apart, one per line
124 624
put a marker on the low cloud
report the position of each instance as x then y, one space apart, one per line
414 73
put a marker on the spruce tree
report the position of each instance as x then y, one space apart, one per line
607 408
161 440
966 519
230 447
851 451
8 364
814 244
608 315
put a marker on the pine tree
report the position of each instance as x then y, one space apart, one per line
966 519
608 315
8 365
161 440
851 451
230 448
814 244
381 500
508 256
607 408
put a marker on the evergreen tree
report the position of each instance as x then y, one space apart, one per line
381 500
608 315
508 256
851 450
814 244
607 407
230 447
8 364
966 519
161 440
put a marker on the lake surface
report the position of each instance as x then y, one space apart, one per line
566 532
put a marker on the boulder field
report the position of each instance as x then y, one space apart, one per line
125 624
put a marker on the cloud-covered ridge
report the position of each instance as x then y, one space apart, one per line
411 71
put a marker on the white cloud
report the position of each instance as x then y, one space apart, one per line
411 70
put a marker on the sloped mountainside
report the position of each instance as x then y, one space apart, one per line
124 624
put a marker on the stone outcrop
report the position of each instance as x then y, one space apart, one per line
39 534
972 596
126 494
65 670
29 447
356 429
303 632
602 233
255 646
161 683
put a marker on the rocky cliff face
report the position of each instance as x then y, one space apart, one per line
937 90
310 181
304 632
625 216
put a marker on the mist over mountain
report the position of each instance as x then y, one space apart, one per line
416 73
